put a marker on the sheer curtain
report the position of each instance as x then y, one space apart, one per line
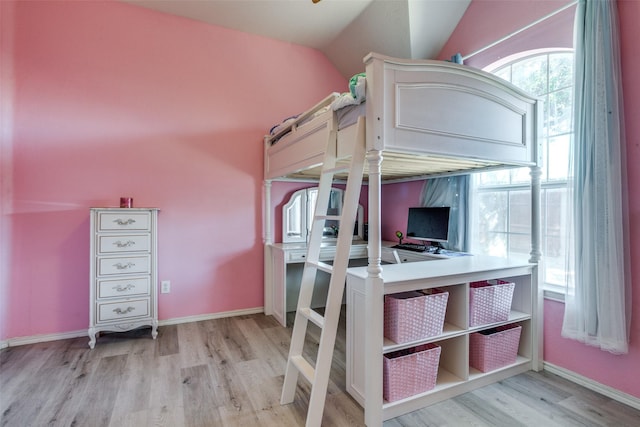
450 191
597 310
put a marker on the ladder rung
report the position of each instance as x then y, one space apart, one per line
312 315
328 217
304 367
327 268
337 169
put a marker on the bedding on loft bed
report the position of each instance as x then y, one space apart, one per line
427 117
348 107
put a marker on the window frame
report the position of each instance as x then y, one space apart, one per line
552 289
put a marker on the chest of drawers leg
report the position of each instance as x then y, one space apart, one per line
123 272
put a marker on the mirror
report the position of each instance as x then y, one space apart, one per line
297 216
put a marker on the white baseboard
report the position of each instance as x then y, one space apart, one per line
212 316
34 339
13 342
605 390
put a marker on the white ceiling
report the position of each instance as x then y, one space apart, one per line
344 30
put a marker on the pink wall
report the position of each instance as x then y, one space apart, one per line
486 21
490 20
113 100
395 200
6 154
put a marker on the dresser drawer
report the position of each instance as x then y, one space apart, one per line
123 287
123 310
123 265
136 221
127 243
358 251
327 253
299 256
409 256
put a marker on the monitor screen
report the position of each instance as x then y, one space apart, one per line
430 224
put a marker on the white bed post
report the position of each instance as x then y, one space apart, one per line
536 252
538 272
268 241
374 300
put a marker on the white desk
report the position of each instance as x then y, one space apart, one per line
286 262
286 265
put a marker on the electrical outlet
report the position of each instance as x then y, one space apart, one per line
165 286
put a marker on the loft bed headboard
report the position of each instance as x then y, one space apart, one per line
426 117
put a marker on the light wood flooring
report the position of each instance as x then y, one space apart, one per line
229 372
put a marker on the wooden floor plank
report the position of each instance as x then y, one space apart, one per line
486 411
168 340
446 413
342 410
26 357
135 393
66 369
537 386
231 392
624 415
514 406
166 388
596 415
547 397
225 341
99 396
26 403
260 344
263 390
193 351
199 397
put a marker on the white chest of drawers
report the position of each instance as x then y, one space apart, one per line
123 273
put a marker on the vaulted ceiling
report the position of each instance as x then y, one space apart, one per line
344 30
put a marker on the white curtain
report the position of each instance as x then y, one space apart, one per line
450 191
598 296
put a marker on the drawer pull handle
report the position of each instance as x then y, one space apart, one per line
121 266
128 221
121 288
124 244
125 311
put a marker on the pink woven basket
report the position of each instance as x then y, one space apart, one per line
411 316
494 348
410 371
490 301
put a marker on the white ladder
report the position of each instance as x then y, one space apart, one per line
318 375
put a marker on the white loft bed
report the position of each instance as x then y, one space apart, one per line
422 118
428 117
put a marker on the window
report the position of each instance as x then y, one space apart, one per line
501 216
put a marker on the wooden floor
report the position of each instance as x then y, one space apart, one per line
229 372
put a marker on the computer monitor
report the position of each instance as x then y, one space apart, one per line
429 224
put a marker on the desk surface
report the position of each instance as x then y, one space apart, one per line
443 267
303 246
362 245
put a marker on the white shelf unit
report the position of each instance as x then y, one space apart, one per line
455 376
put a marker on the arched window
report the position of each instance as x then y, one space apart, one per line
501 212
